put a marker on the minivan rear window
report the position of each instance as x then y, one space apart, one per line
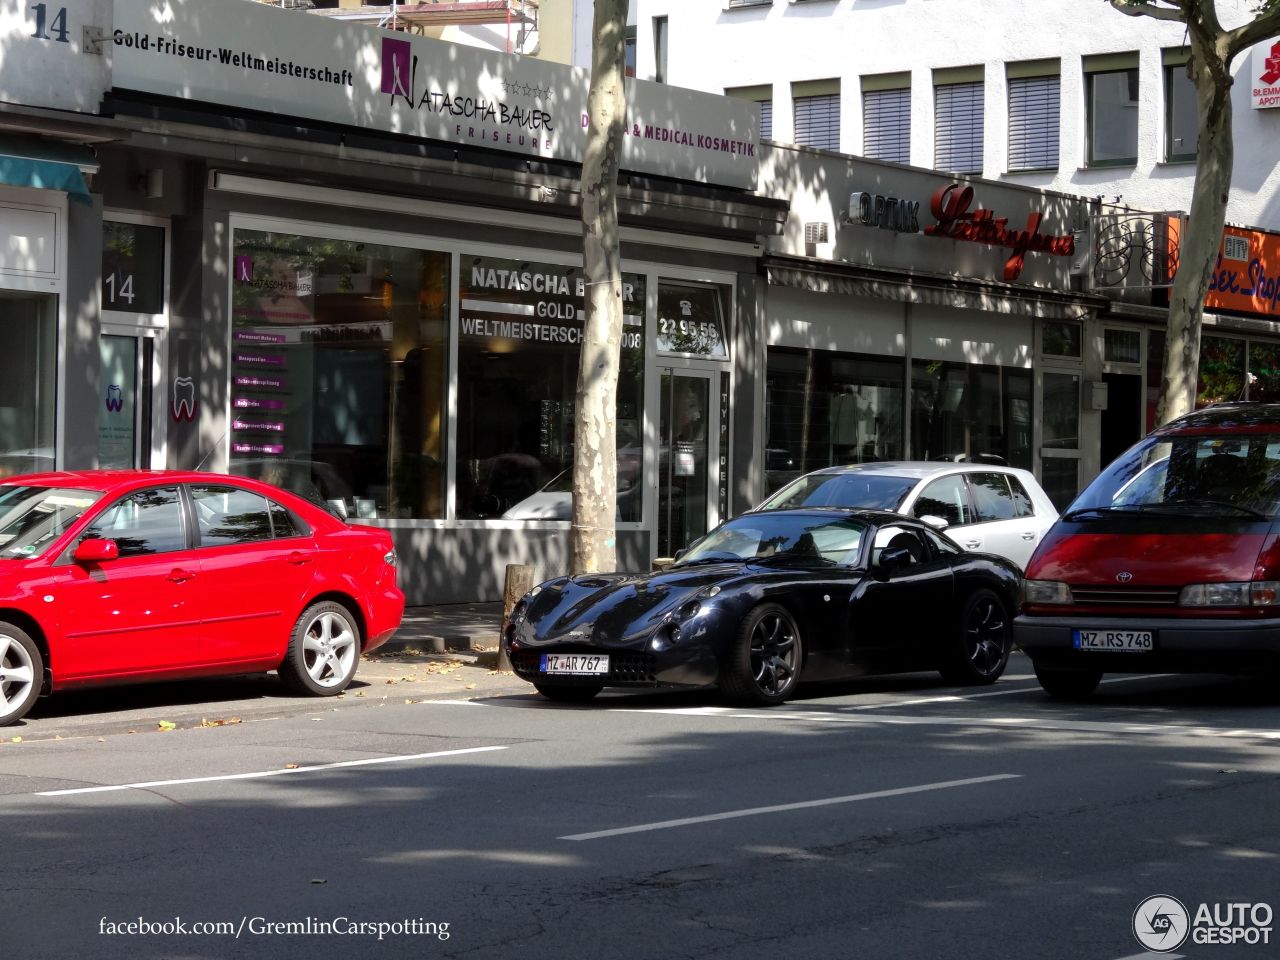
1227 473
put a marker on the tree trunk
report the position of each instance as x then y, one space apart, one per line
595 488
1198 253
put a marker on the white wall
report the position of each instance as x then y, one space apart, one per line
712 47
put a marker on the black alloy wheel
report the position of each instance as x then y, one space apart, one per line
764 664
986 638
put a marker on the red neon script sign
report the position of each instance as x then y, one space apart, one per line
950 207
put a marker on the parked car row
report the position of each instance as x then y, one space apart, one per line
1168 561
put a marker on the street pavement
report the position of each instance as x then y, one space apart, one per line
890 817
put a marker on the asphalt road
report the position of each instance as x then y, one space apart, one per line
888 818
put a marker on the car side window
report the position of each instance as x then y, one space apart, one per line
1021 499
895 538
283 523
230 515
941 545
947 498
991 497
145 522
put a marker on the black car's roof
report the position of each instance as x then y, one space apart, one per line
1245 414
865 514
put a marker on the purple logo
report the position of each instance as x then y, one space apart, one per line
115 402
244 269
396 56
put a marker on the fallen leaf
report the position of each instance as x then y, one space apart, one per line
167 725
291 766
360 693
469 686
15 739
102 739
57 736
391 681
220 722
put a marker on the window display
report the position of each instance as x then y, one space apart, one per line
338 371
520 331
972 412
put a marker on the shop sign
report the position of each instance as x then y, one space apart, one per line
887 213
950 207
1266 76
537 302
1246 277
252 56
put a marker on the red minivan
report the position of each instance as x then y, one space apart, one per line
1168 562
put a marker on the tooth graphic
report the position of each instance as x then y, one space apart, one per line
115 402
184 399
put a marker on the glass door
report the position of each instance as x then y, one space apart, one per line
688 458
127 398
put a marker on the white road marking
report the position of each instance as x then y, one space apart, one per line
1028 723
779 808
1152 956
956 698
267 773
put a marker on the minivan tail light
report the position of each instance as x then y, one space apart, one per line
1259 593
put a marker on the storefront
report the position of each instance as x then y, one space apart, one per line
911 315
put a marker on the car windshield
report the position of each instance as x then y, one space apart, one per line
31 518
1228 474
868 491
774 538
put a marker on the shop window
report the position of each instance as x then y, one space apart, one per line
691 320
1264 372
762 96
660 49
958 126
338 371
520 331
1060 480
823 409
766 119
1222 373
970 412
1112 105
1034 108
28 374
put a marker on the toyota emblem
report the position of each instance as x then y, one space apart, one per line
1124 577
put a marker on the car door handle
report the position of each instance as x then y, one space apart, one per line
1029 535
297 559
972 544
178 575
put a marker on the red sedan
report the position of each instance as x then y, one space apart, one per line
124 576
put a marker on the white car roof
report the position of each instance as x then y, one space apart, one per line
919 469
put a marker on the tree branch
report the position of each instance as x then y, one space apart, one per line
1148 8
1262 27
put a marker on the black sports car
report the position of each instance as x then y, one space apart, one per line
768 599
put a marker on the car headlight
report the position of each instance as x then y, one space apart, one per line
1045 591
1259 593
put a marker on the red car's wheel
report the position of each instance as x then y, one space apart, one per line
21 673
323 651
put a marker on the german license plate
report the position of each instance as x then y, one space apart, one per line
588 664
1114 641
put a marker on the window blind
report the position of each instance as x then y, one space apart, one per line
1034 111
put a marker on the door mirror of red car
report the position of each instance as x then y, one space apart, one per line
93 550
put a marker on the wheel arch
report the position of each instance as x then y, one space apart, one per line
28 624
789 603
352 607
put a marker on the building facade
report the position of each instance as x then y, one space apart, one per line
1056 94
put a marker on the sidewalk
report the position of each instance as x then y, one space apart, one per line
467 628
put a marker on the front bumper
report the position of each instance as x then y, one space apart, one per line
1182 645
635 668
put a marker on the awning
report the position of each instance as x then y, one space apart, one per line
824 276
47 165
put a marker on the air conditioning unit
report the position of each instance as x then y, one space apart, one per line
815 231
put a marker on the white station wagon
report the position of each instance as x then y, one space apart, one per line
983 507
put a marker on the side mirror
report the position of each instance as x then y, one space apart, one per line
680 553
938 523
894 558
93 550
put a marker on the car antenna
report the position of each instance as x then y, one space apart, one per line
205 459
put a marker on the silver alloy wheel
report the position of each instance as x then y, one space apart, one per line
329 650
17 674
